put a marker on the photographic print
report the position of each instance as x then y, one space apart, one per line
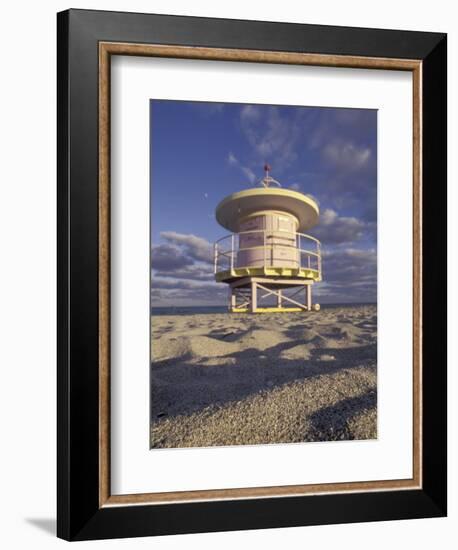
263 274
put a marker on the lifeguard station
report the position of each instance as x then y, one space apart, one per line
268 251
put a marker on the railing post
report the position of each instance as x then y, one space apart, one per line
265 249
318 248
300 251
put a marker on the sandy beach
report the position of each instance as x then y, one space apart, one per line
245 379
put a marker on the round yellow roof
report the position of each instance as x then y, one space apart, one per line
231 210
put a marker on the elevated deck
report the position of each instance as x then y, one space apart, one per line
231 275
270 262
264 253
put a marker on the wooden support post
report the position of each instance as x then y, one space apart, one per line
279 297
308 291
233 302
254 297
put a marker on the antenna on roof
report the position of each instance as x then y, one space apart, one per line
267 180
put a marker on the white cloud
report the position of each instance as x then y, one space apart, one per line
167 257
195 247
159 282
182 271
335 229
250 113
196 271
271 135
350 275
346 156
233 161
328 217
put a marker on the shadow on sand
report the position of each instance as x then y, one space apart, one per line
331 423
182 387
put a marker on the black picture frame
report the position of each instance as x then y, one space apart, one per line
80 516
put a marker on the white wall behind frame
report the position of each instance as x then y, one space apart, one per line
27 109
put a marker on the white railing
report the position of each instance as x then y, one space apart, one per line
230 252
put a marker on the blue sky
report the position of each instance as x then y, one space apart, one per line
201 152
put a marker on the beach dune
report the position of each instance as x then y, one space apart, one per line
239 379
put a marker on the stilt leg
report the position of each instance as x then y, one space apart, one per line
233 300
254 297
308 291
279 298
